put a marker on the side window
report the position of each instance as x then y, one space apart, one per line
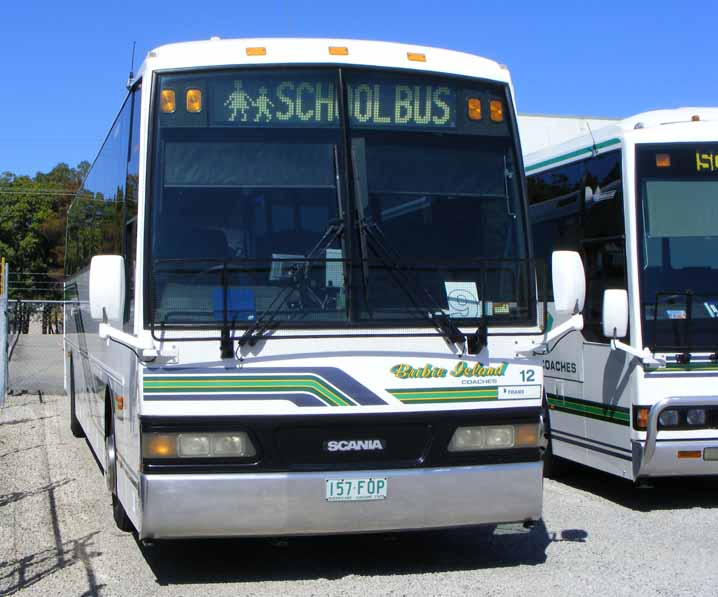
555 212
96 217
131 185
604 251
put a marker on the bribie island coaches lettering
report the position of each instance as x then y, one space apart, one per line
270 287
461 369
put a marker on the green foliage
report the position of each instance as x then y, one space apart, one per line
32 223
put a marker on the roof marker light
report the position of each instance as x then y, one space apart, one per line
663 160
416 56
338 51
257 51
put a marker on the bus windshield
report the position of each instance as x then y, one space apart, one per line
276 197
678 223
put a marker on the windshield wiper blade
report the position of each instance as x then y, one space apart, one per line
391 260
262 324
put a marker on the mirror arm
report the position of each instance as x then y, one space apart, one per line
644 356
147 352
572 324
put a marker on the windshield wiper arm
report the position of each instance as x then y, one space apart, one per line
255 332
391 261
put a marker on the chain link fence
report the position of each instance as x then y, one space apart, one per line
35 350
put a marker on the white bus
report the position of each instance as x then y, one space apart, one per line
297 274
639 200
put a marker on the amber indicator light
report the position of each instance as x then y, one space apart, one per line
167 101
663 160
193 100
496 107
473 107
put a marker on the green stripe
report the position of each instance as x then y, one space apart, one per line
692 366
572 154
436 395
618 415
402 395
434 401
166 385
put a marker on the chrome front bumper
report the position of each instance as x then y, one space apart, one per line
665 463
283 504
658 458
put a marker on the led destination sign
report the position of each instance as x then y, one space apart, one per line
707 161
312 101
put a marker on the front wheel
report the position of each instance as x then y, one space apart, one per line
553 466
75 426
119 514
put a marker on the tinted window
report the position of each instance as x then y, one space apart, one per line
555 213
604 252
133 176
96 216
580 208
677 191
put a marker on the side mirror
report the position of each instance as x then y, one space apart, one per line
569 281
107 288
614 317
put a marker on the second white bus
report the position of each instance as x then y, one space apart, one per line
635 393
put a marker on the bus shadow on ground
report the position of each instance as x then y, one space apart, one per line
334 557
661 494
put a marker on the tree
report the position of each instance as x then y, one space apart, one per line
32 224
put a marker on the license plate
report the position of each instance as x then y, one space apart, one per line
356 490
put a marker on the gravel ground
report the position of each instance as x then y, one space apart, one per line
599 536
36 362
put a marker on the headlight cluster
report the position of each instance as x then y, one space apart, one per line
236 444
495 437
686 417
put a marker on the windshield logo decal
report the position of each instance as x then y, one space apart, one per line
462 369
361 445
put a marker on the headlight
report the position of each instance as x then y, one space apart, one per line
669 418
696 416
236 444
495 437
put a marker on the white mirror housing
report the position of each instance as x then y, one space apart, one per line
614 316
107 288
569 281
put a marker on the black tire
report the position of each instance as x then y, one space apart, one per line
75 426
553 466
122 521
119 514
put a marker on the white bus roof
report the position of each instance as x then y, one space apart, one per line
649 125
538 131
233 52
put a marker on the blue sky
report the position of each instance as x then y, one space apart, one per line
64 65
